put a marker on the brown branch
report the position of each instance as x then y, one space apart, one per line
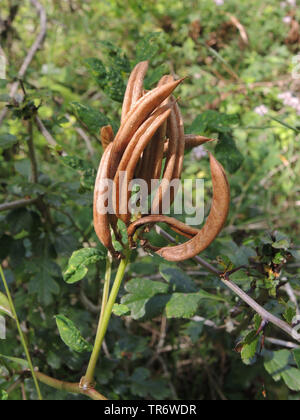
31 53
69 387
17 204
267 316
45 132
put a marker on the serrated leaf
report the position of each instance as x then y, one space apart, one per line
79 262
140 291
7 140
71 336
43 283
5 308
20 362
121 310
179 281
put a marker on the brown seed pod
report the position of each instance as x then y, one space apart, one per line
151 163
135 89
106 136
192 140
214 223
139 113
172 157
174 224
101 217
180 150
131 158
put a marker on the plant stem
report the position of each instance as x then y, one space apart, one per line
106 286
88 381
69 387
23 341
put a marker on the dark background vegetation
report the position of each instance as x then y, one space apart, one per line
239 61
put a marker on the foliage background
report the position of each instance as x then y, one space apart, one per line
150 354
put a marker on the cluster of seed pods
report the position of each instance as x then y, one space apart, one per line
152 131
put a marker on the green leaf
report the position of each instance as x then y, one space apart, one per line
20 362
194 330
292 378
97 70
228 154
154 76
140 291
143 386
280 365
121 310
71 336
3 395
282 244
7 140
90 117
289 314
296 354
179 281
213 122
147 48
183 305
5 306
43 283
250 346
79 262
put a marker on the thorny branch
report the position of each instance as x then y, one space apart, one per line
267 316
31 53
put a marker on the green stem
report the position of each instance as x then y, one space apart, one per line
106 286
23 341
88 381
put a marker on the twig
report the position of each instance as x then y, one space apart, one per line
31 53
85 137
45 132
206 322
291 294
17 204
267 316
69 387
287 344
23 390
